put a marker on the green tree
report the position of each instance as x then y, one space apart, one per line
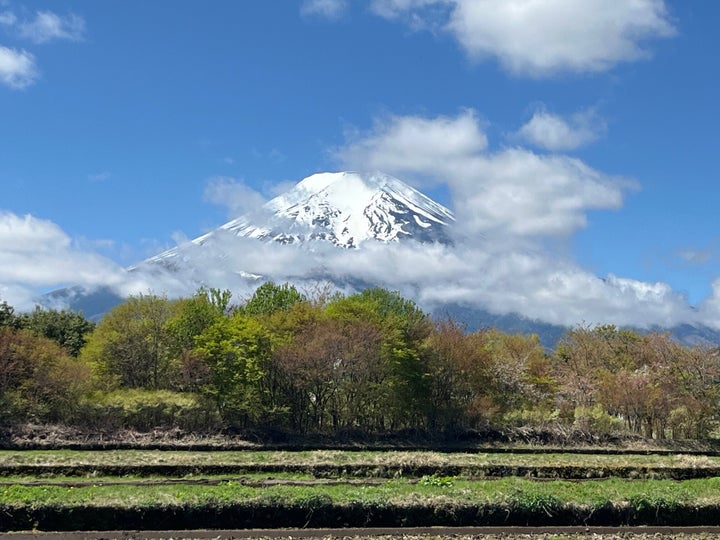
237 350
67 328
404 328
130 347
192 316
270 298
7 315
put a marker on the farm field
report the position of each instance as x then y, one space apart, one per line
97 490
338 463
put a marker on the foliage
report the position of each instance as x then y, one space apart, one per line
7 315
270 298
38 380
130 348
68 328
369 362
404 328
236 350
144 410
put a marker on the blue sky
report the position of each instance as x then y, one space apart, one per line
579 131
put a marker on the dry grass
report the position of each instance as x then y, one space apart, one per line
394 459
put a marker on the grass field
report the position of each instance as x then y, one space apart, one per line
341 457
329 463
57 490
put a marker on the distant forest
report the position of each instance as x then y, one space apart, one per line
371 362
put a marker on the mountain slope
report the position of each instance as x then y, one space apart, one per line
345 209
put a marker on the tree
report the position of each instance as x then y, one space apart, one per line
330 374
192 316
67 328
37 377
458 368
520 371
270 298
131 346
7 315
236 351
404 328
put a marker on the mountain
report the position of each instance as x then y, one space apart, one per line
322 213
345 209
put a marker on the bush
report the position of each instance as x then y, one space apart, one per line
596 420
144 410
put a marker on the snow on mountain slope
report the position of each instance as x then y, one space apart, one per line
345 209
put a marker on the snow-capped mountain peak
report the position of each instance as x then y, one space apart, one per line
343 208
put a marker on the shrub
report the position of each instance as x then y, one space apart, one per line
595 419
144 410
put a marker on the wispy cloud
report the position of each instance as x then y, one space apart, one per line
7 18
232 193
553 132
48 26
17 68
541 38
696 256
328 9
99 177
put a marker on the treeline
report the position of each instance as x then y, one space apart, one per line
369 362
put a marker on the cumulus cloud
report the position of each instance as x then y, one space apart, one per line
553 132
507 203
48 26
36 253
512 192
415 144
17 68
233 194
329 9
541 38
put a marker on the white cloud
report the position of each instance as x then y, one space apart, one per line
48 26
493 276
233 194
36 253
553 132
540 38
513 192
516 192
507 200
329 9
413 143
17 68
